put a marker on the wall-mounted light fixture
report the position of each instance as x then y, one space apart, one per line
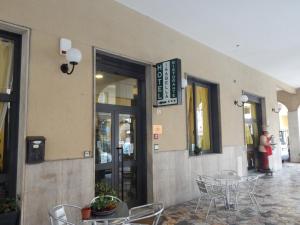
184 81
99 76
242 101
73 56
277 110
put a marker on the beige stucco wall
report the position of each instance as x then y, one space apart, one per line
60 107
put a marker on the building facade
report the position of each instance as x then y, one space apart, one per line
68 110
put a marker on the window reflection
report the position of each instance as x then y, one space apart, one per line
127 130
104 176
6 65
103 138
129 184
116 89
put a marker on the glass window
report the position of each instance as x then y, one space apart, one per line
6 65
9 46
201 117
4 122
116 89
127 132
191 118
251 124
103 138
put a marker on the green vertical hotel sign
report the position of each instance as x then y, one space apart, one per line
168 82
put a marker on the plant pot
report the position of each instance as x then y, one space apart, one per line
86 213
10 218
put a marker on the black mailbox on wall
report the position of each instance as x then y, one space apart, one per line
35 149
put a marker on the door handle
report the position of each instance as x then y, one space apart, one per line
120 158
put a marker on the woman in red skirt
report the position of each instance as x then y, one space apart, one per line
265 150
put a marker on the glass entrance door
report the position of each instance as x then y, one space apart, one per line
120 152
127 157
253 129
117 153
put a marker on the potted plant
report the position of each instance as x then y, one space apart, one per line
86 212
197 150
104 204
9 212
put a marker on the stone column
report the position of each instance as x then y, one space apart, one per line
294 136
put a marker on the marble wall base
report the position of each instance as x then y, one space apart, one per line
174 172
55 182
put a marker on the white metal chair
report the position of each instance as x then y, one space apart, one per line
58 215
150 212
228 172
207 178
211 190
248 187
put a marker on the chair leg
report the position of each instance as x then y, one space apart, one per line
237 202
208 208
198 203
251 199
256 203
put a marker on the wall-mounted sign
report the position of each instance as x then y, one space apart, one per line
168 82
157 129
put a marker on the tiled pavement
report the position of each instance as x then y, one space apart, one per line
279 198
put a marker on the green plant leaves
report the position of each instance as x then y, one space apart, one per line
7 205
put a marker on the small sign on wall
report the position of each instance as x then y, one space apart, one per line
168 82
157 129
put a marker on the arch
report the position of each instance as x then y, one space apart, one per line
283 108
283 116
291 101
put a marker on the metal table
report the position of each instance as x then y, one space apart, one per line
228 181
121 214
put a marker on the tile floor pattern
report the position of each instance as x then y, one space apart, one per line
279 198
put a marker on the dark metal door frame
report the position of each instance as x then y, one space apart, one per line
115 111
257 100
119 65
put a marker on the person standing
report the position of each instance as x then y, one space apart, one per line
265 150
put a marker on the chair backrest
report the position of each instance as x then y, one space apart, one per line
202 186
229 172
58 216
210 187
252 182
150 212
208 179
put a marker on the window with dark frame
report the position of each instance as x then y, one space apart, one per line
203 115
10 60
